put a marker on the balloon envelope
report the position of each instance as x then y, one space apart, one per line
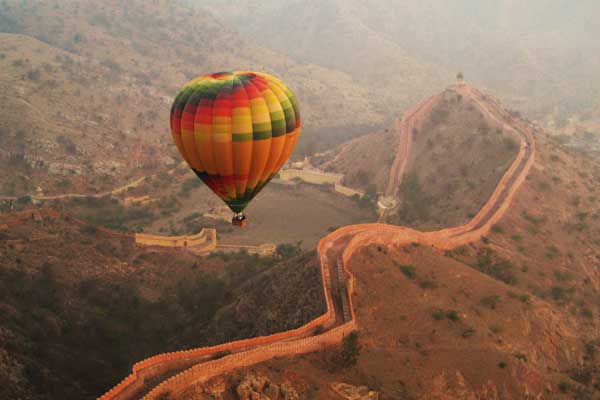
235 130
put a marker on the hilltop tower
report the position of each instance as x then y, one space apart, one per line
460 79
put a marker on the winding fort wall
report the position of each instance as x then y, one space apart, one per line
353 238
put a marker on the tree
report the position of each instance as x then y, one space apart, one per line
350 349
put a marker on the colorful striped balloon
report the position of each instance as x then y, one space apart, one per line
235 130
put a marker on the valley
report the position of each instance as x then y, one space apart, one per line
424 241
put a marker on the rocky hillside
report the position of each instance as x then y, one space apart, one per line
512 316
86 88
456 157
81 304
365 161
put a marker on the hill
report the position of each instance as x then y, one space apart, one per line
77 299
503 307
54 54
408 47
451 154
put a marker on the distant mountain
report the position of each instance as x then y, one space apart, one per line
87 87
541 56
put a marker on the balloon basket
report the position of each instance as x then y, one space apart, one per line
241 222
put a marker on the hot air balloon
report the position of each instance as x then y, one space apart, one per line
235 130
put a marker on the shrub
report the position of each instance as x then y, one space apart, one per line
510 144
564 387
497 268
587 313
563 276
502 364
561 294
536 220
350 349
189 185
497 229
490 301
438 314
452 315
428 284
286 250
468 332
552 251
24 200
33 75
89 229
409 271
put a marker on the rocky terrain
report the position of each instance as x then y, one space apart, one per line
77 298
53 139
510 314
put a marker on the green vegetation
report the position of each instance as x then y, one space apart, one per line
535 220
564 387
286 250
54 321
408 270
561 294
188 185
491 264
111 213
490 301
439 314
415 203
428 284
497 229
350 349
564 276
552 252
468 332
452 315
516 237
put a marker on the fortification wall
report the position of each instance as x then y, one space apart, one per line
205 240
319 178
255 350
162 363
267 249
346 191
179 384
131 201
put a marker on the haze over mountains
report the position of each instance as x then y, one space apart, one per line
541 57
127 64
461 262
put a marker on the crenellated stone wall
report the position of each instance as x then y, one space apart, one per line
353 238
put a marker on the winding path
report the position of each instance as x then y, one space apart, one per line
180 372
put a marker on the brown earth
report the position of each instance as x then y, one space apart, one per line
472 335
76 297
126 65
